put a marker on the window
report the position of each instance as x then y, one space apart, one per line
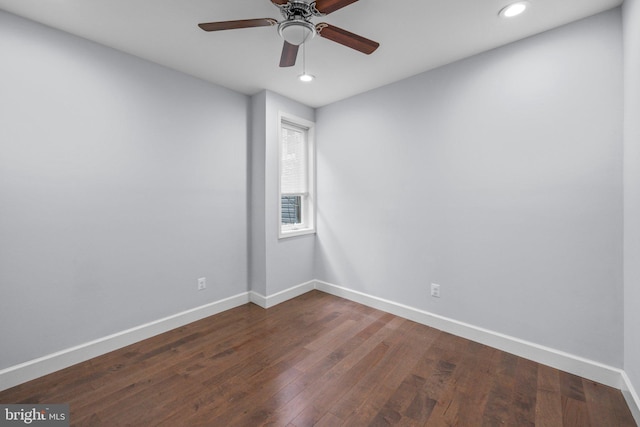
297 208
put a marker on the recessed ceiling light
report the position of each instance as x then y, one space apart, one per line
306 77
514 9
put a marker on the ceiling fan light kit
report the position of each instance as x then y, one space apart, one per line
296 29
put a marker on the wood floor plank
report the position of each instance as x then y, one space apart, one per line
409 345
496 411
252 364
319 360
233 349
523 402
548 397
444 386
597 397
574 413
332 368
430 397
298 365
571 387
471 383
264 406
619 410
324 395
574 403
328 420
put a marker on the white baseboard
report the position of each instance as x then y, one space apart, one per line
547 356
592 370
282 296
33 369
631 396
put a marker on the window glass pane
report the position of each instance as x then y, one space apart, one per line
291 209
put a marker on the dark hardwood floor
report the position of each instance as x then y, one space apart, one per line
319 360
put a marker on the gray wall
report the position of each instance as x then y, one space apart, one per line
257 206
631 27
276 264
498 177
121 183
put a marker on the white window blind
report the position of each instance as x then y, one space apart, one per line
294 174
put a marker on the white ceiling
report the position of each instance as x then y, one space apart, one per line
414 36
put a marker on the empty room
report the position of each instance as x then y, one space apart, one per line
330 212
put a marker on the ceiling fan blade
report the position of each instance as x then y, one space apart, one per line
289 55
280 2
347 38
328 6
233 25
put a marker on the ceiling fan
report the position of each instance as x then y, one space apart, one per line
297 27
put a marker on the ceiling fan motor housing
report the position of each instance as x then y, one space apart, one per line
298 9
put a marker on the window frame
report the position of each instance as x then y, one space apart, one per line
308 202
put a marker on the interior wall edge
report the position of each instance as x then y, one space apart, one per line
282 296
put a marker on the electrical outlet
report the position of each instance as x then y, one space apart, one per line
202 283
435 290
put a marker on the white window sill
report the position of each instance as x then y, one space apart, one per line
296 232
